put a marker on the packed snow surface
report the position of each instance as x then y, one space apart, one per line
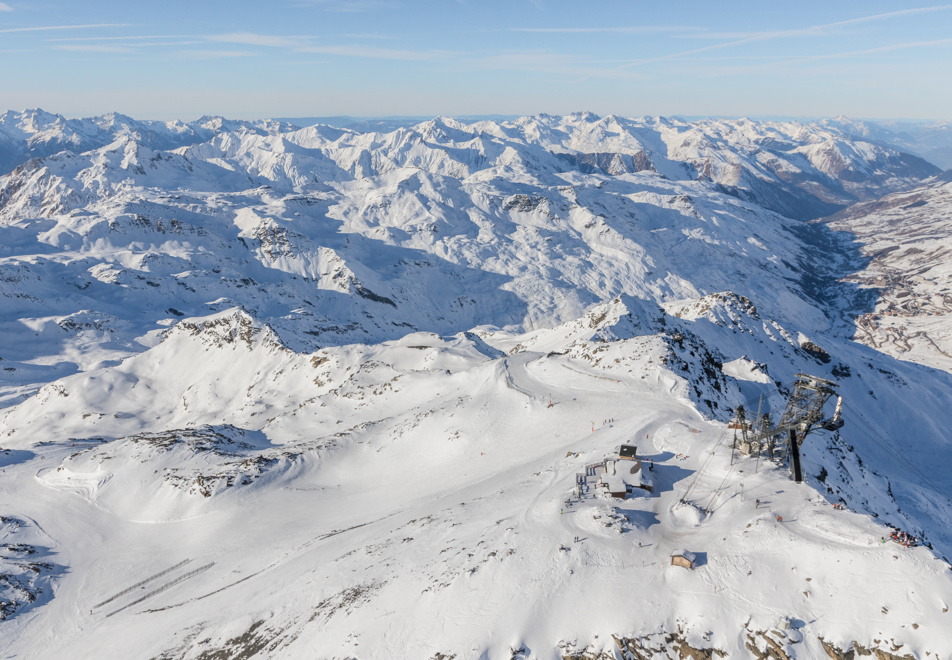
300 393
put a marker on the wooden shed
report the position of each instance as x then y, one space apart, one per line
627 452
683 558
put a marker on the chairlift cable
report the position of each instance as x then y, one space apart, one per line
876 437
703 467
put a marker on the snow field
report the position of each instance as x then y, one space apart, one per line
437 525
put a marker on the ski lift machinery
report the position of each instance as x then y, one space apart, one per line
803 414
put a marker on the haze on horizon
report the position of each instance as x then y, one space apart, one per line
299 58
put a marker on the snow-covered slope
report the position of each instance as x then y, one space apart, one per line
291 502
317 393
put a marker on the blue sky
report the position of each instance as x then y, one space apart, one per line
291 58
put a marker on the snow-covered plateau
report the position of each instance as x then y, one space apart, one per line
281 392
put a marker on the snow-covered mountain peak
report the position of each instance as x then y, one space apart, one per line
625 317
715 306
584 116
231 327
32 120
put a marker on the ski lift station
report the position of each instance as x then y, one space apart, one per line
622 474
803 414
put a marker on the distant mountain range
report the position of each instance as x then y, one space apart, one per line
930 140
801 170
36 133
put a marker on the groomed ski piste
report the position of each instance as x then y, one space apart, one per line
418 499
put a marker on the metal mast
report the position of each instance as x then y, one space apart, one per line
803 414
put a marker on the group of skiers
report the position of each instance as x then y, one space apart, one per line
903 538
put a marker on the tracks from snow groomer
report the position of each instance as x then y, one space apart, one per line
135 590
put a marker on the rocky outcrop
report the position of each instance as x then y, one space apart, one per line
857 650
669 646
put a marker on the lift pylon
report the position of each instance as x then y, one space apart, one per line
803 414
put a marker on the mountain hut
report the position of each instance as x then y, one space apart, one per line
621 477
683 558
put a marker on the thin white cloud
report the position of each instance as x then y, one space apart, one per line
128 43
693 32
764 64
379 53
892 14
365 35
756 58
125 38
726 35
62 27
800 32
164 44
870 51
770 60
94 48
553 63
630 29
213 54
350 6
252 39
5 7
